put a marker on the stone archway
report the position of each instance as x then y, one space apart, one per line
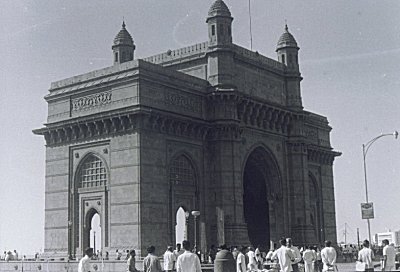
261 188
89 201
183 194
89 230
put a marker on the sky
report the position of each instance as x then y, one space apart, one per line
349 58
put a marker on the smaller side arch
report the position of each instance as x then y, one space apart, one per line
316 216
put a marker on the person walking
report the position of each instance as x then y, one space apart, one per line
169 259
187 261
309 259
178 250
285 257
151 263
328 256
296 254
212 253
366 256
131 263
84 263
241 260
389 256
251 257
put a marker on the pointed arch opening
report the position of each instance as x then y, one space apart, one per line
183 197
93 172
89 225
315 208
95 233
181 227
261 189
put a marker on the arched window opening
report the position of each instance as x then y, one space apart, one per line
182 172
213 30
116 57
283 59
95 233
93 173
181 225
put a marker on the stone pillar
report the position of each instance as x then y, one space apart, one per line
328 204
298 174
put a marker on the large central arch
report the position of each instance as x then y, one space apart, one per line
261 189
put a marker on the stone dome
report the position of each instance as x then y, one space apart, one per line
286 40
123 37
219 8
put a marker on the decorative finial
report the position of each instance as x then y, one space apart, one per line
286 27
123 22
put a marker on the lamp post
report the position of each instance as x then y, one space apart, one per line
185 235
94 241
365 151
69 239
195 214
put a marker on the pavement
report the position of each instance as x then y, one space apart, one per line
344 267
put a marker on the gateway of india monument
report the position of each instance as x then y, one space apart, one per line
133 149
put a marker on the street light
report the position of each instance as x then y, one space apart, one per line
185 235
195 214
365 151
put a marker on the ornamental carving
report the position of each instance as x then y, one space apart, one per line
90 101
184 102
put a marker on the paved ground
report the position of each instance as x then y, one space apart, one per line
344 267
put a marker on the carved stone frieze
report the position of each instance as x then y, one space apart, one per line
321 156
90 101
184 102
297 147
264 116
90 129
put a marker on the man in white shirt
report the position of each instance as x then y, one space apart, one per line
366 255
84 264
178 251
251 256
241 260
309 258
188 261
169 259
389 256
285 257
296 253
328 256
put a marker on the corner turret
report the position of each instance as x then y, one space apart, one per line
219 22
123 47
288 54
288 51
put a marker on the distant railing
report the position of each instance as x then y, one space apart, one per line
257 57
176 54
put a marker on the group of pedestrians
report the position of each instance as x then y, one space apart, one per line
181 260
287 258
10 256
366 256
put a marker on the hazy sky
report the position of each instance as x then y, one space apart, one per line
349 58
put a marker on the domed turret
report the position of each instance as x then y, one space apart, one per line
219 8
287 50
219 22
286 40
123 47
288 54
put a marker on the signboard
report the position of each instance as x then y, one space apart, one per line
367 210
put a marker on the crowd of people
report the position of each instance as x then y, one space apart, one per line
285 258
10 255
181 260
